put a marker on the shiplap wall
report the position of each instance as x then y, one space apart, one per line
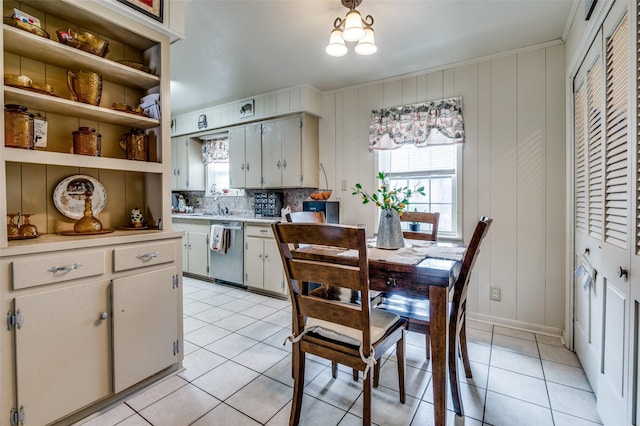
513 171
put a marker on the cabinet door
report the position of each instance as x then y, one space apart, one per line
273 269
145 326
271 155
237 157
178 163
291 151
63 350
194 166
199 253
253 155
253 262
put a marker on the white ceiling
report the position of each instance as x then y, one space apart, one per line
236 49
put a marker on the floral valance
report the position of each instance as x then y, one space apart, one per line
215 151
425 124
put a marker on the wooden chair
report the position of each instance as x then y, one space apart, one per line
350 334
306 217
427 218
406 306
457 315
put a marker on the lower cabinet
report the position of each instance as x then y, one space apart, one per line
262 264
62 350
143 302
92 331
195 246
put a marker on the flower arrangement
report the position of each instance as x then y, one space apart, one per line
388 198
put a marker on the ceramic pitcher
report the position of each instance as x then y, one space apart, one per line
136 144
85 86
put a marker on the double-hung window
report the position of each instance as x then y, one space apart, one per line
437 168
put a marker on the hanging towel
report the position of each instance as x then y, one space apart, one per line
585 272
217 233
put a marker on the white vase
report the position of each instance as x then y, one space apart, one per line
389 230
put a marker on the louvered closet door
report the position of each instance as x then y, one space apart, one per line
588 99
613 382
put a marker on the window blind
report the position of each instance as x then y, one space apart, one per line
412 161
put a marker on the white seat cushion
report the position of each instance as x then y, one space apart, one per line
380 321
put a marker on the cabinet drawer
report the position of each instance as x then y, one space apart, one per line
143 255
258 231
39 270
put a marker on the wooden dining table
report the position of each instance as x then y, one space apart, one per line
423 270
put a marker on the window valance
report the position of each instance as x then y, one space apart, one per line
425 124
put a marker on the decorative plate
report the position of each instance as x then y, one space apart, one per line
68 196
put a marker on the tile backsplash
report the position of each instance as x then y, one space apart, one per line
243 203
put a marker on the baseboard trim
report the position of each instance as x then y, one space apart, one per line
519 325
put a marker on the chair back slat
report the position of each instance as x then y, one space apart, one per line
323 273
305 217
431 219
310 233
349 315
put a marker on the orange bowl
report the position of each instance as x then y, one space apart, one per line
320 194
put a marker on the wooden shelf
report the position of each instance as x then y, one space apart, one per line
32 46
74 160
37 101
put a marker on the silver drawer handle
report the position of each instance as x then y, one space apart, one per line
147 256
55 269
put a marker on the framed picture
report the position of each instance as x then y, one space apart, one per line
152 8
246 108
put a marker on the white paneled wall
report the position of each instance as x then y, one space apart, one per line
513 171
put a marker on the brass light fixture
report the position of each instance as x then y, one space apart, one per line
352 28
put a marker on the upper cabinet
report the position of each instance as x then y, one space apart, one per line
133 68
290 152
279 153
187 168
245 156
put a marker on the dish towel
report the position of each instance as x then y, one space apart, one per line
217 233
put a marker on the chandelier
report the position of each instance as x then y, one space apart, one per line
352 28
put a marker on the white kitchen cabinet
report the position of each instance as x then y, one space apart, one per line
245 156
187 168
290 152
62 350
262 264
141 303
195 246
108 317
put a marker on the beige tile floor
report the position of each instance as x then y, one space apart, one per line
237 372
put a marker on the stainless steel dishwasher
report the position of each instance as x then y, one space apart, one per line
229 267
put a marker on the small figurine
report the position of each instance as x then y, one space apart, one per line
136 218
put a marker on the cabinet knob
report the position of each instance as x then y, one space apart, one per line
284 164
278 164
104 316
622 272
247 166
242 166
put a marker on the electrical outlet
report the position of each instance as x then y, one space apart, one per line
344 185
495 294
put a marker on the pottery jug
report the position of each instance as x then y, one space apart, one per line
389 230
87 142
85 86
136 144
18 127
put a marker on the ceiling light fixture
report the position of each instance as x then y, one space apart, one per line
352 28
